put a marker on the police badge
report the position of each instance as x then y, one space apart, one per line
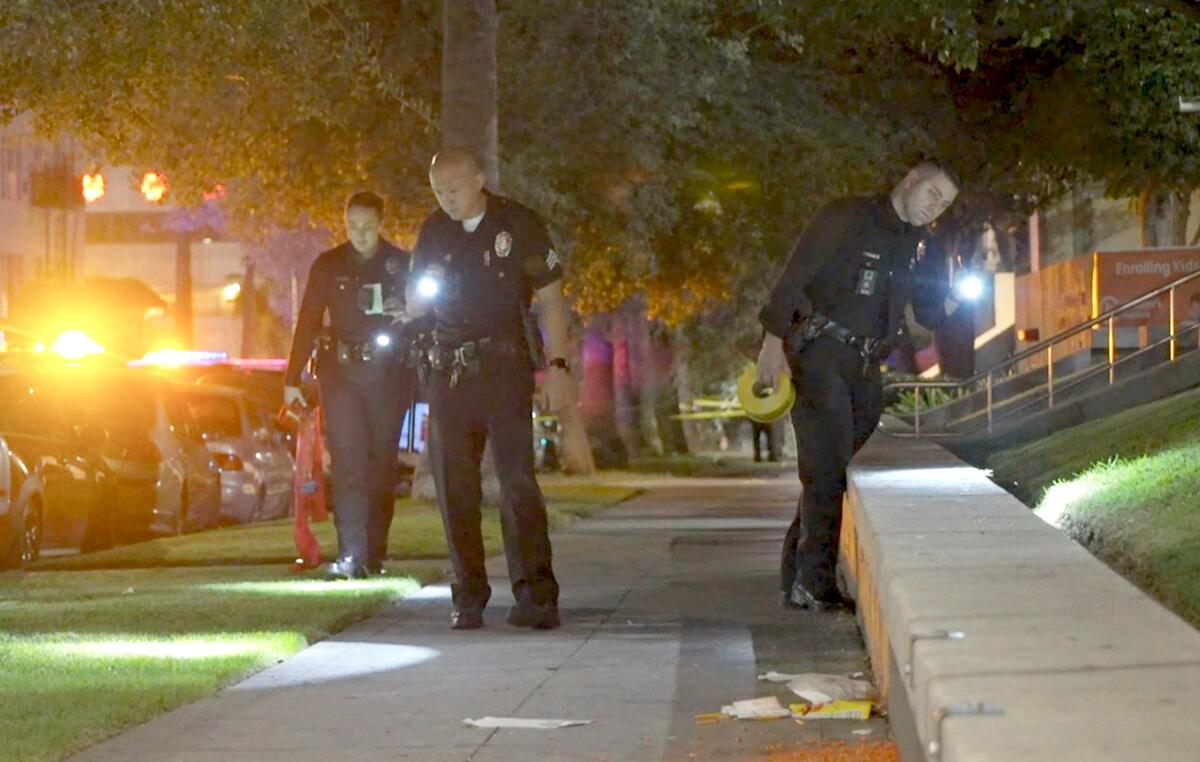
503 244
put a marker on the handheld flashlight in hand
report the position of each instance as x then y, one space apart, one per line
968 288
382 340
428 286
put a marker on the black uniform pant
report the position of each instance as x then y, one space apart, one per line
497 405
364 405
838 405
758 431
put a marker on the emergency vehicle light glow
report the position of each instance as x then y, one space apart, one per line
428 286
175 358
75 345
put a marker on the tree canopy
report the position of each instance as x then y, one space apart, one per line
676 146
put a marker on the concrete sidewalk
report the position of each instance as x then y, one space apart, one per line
670 610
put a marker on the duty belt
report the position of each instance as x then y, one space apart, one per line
466 358
346 352
873 350
457 360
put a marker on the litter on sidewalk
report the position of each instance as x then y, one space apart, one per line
521 723
822 689
766 708
836 710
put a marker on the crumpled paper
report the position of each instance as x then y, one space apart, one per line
822 689
522 723
766 708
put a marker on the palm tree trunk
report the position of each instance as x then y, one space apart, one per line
684 390
469 81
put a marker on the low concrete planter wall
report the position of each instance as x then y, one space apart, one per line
994 636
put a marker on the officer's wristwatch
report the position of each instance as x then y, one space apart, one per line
559 362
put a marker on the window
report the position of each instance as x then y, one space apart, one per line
216 415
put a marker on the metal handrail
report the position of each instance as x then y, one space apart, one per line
1083 375
1047 346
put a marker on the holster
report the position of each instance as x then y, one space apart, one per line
803 332
533 339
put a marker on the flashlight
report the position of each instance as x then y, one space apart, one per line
968 288
428 286
383 340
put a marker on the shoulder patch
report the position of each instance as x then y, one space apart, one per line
551 259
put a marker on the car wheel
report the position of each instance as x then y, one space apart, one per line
26 546
31 537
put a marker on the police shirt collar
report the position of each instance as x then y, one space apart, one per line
472 224
887 217
384 249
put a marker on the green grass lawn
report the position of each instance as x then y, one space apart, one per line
85 654
90 644
1127 487
1028 470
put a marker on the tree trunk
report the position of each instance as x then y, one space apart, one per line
624 408
468 121
469 81
684 391
1180 203
183 290
596 404
576 450
646 376
248 300
1154 213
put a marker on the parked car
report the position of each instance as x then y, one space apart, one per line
167 482
256 467
262 382
72 485
20 512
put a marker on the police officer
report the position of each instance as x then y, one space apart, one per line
489 255
832 317
365 386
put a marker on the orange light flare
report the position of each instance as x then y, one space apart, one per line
154 186
93 187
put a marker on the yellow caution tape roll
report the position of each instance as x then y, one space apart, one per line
768 407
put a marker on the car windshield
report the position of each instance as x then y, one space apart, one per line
118 403
216 415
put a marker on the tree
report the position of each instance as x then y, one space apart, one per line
290 104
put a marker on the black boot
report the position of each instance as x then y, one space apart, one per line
346 567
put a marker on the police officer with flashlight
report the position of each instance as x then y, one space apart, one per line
479 259
365 385
835 313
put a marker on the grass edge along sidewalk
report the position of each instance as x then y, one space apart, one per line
1126 487
87 652
416 533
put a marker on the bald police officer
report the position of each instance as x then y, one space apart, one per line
479 259
365 386
833 316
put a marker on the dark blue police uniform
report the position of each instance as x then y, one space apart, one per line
848 281
480 387
365 388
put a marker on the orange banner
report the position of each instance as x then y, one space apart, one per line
1120 276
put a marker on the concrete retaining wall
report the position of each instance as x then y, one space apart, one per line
994 636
